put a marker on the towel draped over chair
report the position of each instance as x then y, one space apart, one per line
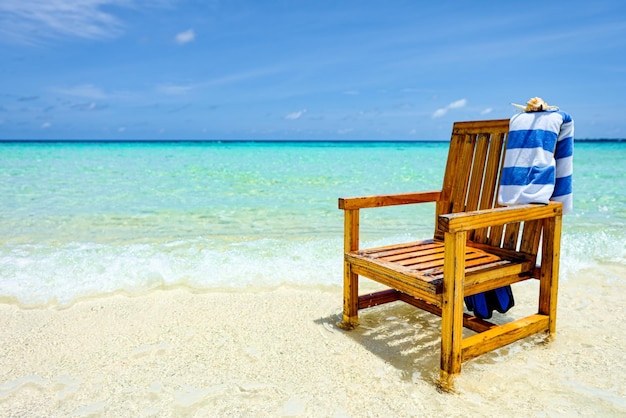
538 163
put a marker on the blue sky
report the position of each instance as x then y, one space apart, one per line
256 69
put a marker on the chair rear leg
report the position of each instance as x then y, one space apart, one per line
350 279
452 309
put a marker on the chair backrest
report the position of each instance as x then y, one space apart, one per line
471 183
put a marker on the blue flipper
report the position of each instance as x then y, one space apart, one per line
501 299
483 304
478 304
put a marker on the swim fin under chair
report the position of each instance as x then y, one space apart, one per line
477 247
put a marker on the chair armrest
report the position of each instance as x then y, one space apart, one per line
362 202
465 221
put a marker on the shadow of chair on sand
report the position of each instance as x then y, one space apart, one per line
406 338
402 336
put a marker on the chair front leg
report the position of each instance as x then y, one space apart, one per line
549 277
452 308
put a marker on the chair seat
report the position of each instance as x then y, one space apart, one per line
420 264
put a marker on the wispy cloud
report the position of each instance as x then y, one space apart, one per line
241 76
180 108
174 89
454 105
28 20
185 37
87 107
88 91
295 115
486 111
31 21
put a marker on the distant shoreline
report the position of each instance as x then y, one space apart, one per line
264 141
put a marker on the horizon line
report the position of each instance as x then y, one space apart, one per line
262 140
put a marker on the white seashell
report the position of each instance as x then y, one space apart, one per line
536 104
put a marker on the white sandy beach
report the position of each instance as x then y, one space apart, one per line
278 353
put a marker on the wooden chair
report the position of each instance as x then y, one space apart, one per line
477 246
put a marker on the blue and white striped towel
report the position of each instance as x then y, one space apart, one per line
538 164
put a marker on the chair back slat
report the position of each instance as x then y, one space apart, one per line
460 185
531 236
478 172
511 236
444 205
471 182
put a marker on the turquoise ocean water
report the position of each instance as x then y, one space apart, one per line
88 219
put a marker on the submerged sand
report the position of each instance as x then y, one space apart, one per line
279 353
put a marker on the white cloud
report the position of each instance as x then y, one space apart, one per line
454 105
46 125
486 111
185 37
296 115
440 112
457 104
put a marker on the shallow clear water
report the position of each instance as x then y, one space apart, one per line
84 219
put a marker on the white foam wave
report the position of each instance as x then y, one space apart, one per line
36 274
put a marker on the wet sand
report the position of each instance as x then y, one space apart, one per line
278 352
